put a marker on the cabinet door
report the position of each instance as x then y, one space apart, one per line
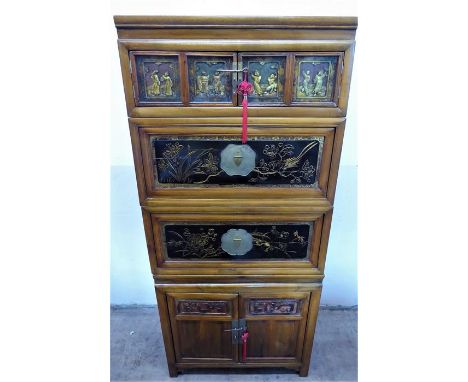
201 324
276 323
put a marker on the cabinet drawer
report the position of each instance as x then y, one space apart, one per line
197 241
162 78
205 161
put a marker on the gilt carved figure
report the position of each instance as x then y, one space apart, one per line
167 87
319 88
202 82
272 84
256 82
217 84
154 88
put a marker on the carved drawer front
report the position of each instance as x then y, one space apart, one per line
209 81
255 243
267 74
156 78
276 159
218 161
316 79
237 241
165 78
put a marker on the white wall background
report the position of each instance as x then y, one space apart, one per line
131 280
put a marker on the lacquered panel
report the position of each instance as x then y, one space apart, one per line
315 78
157 79
267 75
208 83
269 241
201 161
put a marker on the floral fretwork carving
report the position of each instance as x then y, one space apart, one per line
202 307
273 306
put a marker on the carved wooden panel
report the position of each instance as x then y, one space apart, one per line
202 307
267 75
208 82
196 161
315 78
269 241
156 78
274 306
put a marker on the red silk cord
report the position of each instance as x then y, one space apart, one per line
245 336
244 88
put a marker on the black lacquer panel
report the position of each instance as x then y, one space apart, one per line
196 161
269 241
158 79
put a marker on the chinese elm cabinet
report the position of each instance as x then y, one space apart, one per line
237 234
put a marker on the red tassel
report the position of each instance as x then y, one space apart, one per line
244 88
244 119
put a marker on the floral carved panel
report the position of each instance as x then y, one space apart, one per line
275 306
269 241
196 161
202 307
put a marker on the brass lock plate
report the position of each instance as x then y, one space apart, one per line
238 160
236 242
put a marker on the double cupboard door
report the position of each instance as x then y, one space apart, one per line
208 328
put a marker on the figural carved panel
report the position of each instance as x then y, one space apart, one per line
267 75
209 241
201 161
315 78
208 83
157 79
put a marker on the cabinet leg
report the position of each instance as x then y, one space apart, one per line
173 371
303 371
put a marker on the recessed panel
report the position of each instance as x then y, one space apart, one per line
315 78
267 75
208 81
158 79
202 162
268 241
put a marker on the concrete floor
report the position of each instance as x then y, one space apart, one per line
137 350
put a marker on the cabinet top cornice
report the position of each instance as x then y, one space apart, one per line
244 22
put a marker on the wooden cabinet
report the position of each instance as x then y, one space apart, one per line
237 232
207 327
